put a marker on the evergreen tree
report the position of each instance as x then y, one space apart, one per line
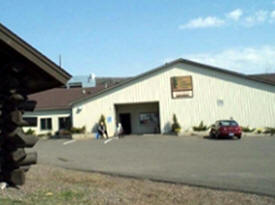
175 126
102 119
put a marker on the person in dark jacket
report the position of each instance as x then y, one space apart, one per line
102 130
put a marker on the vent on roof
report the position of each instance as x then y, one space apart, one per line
91 78
75 85
87 81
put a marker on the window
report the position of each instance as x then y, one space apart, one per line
46 123
64 122
228 123
32 121
147 118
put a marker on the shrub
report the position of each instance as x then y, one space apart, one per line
63 132
30 132
201 127
48 135
269 130
259 131
247 129
175 126
102 119
41 135
75 130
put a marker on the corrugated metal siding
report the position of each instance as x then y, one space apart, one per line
250 103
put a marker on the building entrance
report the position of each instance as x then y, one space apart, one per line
125 120
138 118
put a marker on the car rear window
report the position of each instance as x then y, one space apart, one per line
228 123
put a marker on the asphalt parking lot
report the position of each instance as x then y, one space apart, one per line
242 165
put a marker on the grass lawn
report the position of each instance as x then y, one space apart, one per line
52 185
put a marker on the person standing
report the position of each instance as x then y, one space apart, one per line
119 130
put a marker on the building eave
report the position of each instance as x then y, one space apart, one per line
57 75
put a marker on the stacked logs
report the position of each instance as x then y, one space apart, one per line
14 161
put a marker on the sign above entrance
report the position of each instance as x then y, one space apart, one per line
181 86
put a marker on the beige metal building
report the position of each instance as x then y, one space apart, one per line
193 91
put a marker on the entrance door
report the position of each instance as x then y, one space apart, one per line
64 123
125 120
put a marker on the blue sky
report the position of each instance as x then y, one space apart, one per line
128 37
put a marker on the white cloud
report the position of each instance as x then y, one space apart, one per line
242 60
238 17
235 14
259 17
203 23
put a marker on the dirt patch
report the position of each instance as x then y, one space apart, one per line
51 185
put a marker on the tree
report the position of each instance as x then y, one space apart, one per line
102 119
175 126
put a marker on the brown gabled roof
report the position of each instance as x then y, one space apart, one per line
61 98
266 76
110 81
40 73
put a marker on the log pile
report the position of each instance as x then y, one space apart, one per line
14 161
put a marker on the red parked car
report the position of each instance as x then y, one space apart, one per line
226 128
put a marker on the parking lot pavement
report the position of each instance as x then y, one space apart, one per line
243 165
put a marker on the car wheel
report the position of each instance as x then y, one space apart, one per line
239 137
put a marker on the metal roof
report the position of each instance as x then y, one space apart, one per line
61 98
264 76
167 65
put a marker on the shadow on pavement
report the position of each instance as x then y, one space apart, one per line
221 138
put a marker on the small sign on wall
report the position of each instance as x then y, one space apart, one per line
109 119
220 102
181 86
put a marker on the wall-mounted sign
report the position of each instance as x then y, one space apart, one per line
181 86
109 119
220 102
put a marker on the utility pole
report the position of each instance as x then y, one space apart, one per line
60 60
